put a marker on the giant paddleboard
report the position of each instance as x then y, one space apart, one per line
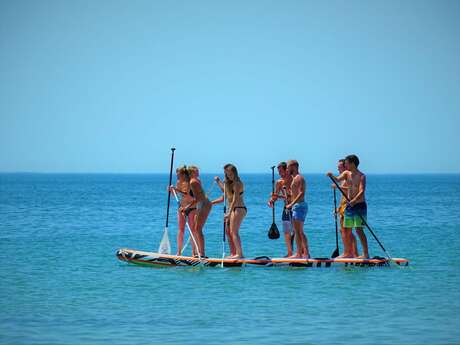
164 260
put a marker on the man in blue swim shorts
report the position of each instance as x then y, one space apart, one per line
299 209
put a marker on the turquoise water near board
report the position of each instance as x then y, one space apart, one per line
62 284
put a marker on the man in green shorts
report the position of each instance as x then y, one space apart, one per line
341 209
356 209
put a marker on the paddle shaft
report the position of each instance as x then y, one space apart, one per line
224 227
362 218
335 217
170 181
225 212
273 192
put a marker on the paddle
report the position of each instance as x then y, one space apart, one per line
362 219
165 246
335 253
273 232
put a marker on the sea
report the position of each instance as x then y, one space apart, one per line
61 282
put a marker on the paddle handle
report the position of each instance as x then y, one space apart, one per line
170 181
362 218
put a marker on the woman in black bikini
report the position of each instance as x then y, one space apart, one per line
202 204
236 212
182 187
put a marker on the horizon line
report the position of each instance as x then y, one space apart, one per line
204 173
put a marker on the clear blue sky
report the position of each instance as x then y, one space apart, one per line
110 86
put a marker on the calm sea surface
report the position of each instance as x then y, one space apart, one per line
61 283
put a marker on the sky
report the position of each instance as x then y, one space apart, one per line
111 86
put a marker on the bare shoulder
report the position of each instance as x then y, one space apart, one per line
298 179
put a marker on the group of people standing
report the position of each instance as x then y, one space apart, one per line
195 206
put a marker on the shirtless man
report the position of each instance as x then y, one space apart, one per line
341 209
299 209
283 191
356 208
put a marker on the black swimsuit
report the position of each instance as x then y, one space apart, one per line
241 193
189 210
242 207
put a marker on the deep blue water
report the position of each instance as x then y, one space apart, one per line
61 283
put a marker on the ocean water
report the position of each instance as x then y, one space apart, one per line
62 284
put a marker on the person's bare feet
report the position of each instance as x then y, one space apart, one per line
296 256
345 256
236 256
306 255
363 257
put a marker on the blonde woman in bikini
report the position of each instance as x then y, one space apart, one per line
202 204
188 214
234 190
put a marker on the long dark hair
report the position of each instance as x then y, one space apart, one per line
236 178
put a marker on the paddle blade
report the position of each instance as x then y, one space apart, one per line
335 253
165 245
273 233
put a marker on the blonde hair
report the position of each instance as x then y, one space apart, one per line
293 162
191 169
182 170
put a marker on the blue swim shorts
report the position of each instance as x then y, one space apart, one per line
299 211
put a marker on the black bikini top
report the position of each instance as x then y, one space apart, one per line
241 193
